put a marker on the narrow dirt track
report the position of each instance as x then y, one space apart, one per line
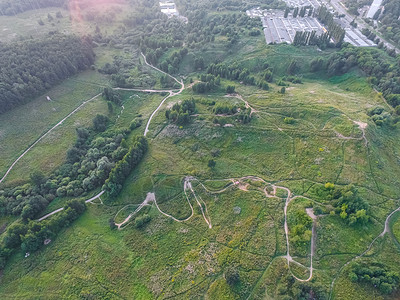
44 135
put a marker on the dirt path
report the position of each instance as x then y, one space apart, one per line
151 197
386 229
246 104
171 92
62 208
44 135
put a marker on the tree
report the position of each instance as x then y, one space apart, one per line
100 123
232 276
230 89
287 10
37 178
211 163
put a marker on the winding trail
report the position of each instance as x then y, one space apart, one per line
171 93
45 134
150 198
386 229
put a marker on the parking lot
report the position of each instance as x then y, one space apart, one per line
300 3
278 29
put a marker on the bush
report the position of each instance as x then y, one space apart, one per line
142 220
232 276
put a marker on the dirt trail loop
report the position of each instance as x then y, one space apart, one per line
151 197
62 208
44 135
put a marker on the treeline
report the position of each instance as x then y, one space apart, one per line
208 83
304 38
29 237
123 168
30 67
13 7
334 29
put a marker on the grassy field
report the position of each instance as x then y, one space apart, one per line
71 22
325 141
188 259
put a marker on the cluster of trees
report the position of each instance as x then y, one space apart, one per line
354 5
226 109
30 67
377 276
180 112
232 5
389 20
348 204
301 233
30 236
172 63
208 83
111 95
87 166
122 169
232 72
334 29
13 7
383 71
304 38
380 116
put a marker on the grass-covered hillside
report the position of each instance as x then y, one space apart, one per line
206 165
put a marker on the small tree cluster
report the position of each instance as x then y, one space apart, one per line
377 276
180 112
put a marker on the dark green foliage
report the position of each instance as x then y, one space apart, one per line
230 89
231 71
383 71
37 178
29 237
211 163
380 116
100 123
112 95
33 206
283 90
232 276
122 169
334 29
349 205
42 63
227 109
142 220
135 123
180 112
377 276
209 82
300 233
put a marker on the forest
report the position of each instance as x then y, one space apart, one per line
30 67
